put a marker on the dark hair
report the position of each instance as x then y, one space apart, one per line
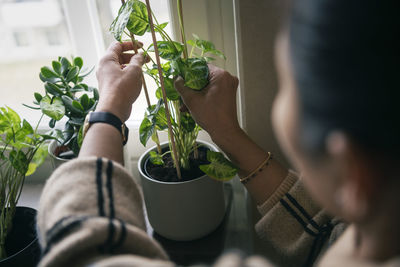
345 58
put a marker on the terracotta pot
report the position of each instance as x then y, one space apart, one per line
183 211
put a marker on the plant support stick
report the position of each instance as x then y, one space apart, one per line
146 92
168 115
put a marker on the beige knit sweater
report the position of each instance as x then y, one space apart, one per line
91 214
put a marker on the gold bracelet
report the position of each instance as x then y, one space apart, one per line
259 169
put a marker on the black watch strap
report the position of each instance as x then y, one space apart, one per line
109 118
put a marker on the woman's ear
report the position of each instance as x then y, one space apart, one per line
358 181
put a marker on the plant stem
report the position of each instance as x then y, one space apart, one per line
183 38
185 53
37 125
160 73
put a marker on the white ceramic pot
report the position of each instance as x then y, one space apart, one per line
55 161
183 211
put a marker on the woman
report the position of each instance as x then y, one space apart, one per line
334 117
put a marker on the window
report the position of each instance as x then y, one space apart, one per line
37 31
21 38
33 34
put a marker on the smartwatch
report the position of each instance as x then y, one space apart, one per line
108 118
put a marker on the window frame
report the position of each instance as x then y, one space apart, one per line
212 20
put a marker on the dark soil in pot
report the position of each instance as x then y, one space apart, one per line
167 172
22 246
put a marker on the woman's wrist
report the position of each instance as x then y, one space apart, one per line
112 108
223 138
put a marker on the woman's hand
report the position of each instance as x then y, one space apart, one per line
120 79
214 107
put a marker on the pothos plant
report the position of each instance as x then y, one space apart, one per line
66 95
136 18
22 150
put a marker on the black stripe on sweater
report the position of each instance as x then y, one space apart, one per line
297 217
60 229
303 211
107 246
110 188
122 237
99 183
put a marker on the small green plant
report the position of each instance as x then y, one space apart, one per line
66 96
133 19
22 150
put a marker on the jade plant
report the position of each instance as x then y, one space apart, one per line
136 19
22 150
66 96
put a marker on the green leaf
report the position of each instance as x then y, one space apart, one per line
51 80
48 73
79 138
170 90
146 129
77 105
84 100
168 50
138 22
217 53
65 65
194 71
72 73
155 119
204 45
38 159
219 168
52 123
35 108
68 132
78 88
54 108
156 158
118 25
160 27
52 89
19 161
68 102
56 67
76 121
78 61
187 122
159 93
25 131
38 97
156 113
191 43
9 122
86 74
96 94
209 59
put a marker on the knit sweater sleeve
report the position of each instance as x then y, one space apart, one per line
293 229
91 211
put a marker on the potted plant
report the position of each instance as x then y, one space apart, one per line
182 202
22 150
65 96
